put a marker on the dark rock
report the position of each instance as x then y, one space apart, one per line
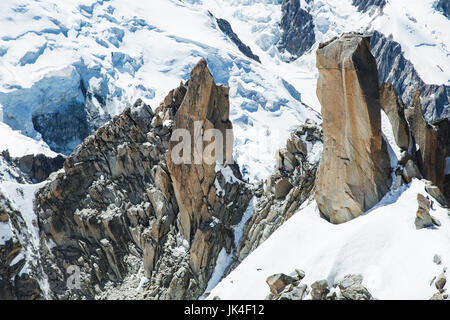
444 7
297 28
39 166
364 5
225 26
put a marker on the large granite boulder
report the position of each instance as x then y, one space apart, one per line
354 172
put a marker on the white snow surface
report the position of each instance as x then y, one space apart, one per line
383 245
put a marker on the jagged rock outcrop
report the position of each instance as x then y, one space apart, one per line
354 172
394 108
430 155
284 191
297 28
225 27
394 68
119 207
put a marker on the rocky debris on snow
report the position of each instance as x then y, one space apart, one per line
351 288
225 27
423 217
277 282
354 172
440 282
430 155
284 191
289 287
297 29
120 198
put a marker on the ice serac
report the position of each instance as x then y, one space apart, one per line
431 154
354 171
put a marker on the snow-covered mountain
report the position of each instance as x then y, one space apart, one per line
68 67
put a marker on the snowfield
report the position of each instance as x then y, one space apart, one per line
383 245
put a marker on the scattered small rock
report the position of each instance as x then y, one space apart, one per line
437 259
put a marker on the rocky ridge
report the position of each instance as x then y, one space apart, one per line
116 208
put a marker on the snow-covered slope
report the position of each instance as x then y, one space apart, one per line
383 245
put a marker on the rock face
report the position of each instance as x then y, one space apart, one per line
354 170
39 167
430 156
225 26
297 28
121 207
394 108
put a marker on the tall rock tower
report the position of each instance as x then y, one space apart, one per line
354 172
